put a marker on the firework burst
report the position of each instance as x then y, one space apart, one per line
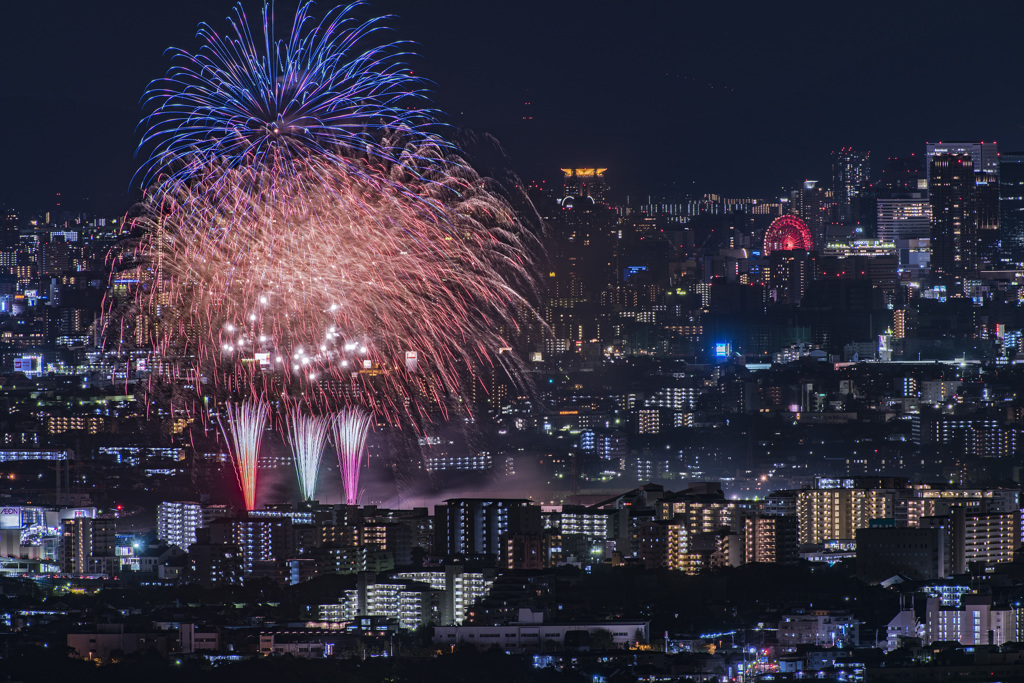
324 292
256 96
307 235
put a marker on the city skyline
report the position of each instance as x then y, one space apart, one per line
731 388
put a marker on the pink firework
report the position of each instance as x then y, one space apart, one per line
322 287
246 422
349 428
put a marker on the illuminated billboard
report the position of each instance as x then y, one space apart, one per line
30 365
10 517
77 513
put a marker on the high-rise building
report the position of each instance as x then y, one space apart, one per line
255 541
770 538
703 511
76 546
904 217
1011 206
8 227
826 514
581 262
177 521
984 539
789 273
813 204
412 598
985 161
585 182
667 544
532 551
851 173
651 538
680 554
986 185
932 501
405 602
86 538
461 588
593 526
984 155
953 196
475 526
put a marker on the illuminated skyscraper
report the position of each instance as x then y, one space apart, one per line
813 204
851 172
581 263
984 155
1011 206
585 182
789 274
953 196
985 160
987 187
904 217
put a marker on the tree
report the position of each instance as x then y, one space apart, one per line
601 639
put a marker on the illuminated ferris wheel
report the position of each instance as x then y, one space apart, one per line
787 233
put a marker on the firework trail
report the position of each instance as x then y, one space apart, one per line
307 436
246 422
349 428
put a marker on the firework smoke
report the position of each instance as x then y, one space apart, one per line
349 428
307 436
246 422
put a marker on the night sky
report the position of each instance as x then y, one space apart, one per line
738 98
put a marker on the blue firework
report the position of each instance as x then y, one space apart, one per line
329 92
